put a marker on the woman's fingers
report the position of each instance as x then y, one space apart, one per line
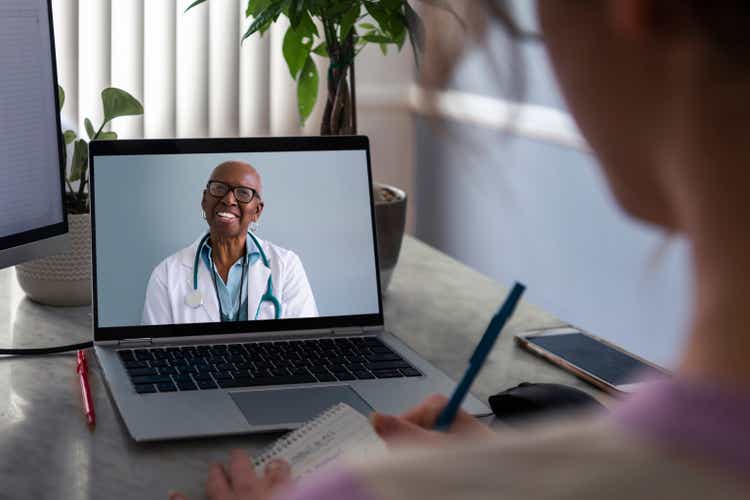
426 413
397 430
242 482
242 472
277 472
217 485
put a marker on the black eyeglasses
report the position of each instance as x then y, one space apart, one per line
242 194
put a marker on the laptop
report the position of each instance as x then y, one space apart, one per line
183 360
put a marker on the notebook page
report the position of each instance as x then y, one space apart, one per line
339 433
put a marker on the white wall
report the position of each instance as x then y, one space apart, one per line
384 114
520 197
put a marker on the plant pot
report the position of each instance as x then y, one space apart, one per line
64 279
390 220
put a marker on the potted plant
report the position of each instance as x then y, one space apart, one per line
65 279
338 30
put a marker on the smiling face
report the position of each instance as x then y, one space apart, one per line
227 216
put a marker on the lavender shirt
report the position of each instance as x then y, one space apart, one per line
700 419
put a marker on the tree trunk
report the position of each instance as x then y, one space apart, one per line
339 115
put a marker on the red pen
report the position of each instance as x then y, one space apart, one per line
83 378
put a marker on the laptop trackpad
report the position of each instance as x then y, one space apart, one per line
295 406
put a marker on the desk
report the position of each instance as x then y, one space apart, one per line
437 305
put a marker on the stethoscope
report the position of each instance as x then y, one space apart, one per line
194 298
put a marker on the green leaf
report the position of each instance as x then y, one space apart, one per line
107 136
374 38
60 97
306 26
307 89
295 11
80 160
197 2
348 20
392 5
399 37
296 49
69 136
254 7
335 9
89 129
396 24
117 102
368 26
383 48
264 18
321 49
379 14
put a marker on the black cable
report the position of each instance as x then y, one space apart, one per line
35 351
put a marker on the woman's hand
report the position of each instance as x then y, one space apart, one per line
239 481
415 426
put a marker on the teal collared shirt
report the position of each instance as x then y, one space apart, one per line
231 292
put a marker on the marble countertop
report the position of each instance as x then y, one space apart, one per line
435 304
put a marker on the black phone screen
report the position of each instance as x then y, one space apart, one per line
599 359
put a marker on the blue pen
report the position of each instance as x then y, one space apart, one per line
446 417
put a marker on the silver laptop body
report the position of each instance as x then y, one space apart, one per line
225 409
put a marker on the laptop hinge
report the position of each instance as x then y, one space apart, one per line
130 343
352 330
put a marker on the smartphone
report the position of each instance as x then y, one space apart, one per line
591 358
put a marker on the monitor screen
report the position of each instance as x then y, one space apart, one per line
163 235
31 191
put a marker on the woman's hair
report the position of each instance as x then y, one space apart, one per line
724 23
450 31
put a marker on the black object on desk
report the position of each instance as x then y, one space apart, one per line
535 400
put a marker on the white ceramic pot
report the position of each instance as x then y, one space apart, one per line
64 279
390 221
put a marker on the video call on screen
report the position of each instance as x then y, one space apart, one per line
315 230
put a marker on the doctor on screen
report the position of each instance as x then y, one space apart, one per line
229 274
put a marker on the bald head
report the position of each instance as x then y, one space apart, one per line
239 169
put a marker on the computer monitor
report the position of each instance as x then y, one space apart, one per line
33 221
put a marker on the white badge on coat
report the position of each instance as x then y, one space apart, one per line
194 299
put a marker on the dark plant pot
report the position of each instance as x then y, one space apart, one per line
390 220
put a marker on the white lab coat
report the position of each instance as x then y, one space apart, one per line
172 280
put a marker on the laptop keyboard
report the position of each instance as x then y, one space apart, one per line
252 364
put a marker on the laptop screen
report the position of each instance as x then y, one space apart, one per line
270 236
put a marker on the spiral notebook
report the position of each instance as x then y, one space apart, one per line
338 433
